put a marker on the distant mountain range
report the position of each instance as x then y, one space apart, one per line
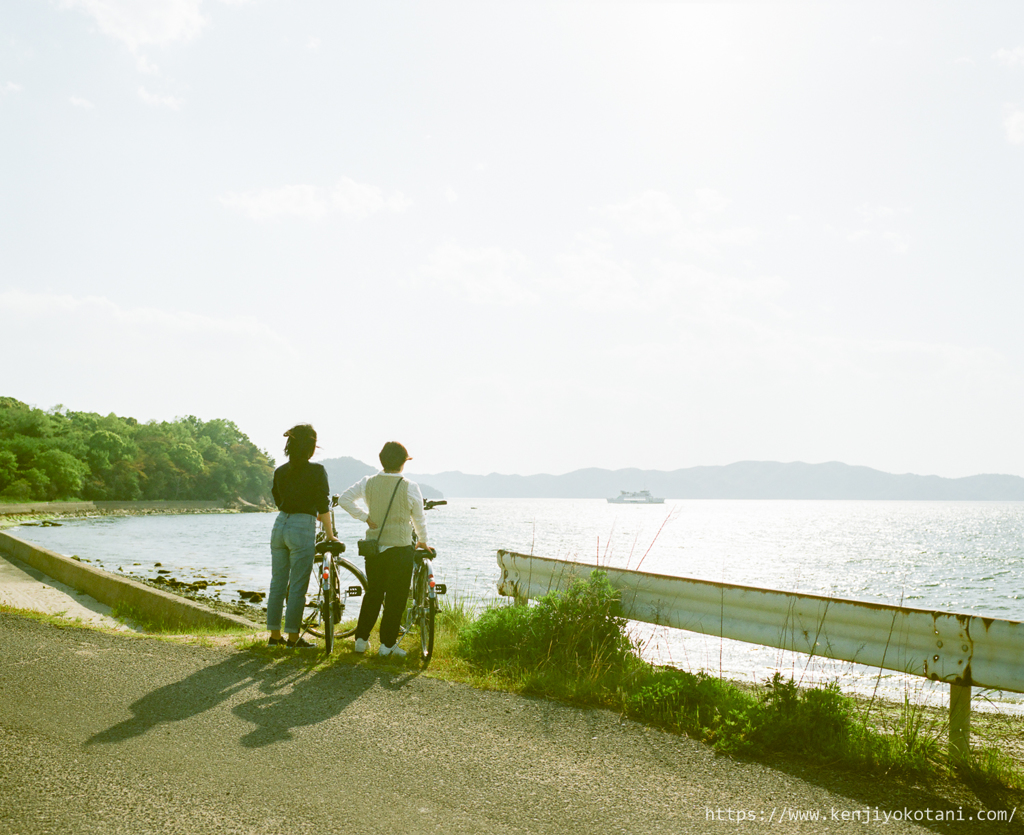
342 473
743 480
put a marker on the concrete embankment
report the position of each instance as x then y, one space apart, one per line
119 592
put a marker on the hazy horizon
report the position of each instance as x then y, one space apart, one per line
524 237
412 473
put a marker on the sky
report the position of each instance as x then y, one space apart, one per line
524 237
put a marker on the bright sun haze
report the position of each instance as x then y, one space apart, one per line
524 238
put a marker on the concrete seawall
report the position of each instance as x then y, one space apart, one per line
177 612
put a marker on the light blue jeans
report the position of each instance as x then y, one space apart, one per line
292 546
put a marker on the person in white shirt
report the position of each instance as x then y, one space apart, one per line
395 510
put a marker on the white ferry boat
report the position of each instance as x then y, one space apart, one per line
642 497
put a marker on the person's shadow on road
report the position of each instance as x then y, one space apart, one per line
295 693
190 696
308 699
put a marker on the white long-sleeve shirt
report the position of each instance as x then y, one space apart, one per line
357 492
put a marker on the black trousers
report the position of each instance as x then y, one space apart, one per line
387 582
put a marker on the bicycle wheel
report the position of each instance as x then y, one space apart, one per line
348 582
327 604
426 611
312 622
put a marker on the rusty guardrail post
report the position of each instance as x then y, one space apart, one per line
959 721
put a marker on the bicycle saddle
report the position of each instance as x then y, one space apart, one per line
334 547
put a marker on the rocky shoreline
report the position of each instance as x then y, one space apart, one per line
197 590
35 519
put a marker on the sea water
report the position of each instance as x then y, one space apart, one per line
965 557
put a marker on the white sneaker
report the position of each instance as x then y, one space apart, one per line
395 650
361 645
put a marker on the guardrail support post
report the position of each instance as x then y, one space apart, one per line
959 720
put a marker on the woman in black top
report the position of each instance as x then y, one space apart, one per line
303 496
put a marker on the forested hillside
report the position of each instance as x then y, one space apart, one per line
60 454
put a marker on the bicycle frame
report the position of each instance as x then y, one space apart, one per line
422 608
337 580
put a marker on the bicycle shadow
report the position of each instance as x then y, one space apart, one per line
310 698
296 692
180 700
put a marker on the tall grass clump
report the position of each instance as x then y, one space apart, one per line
572 643
910 739
780 718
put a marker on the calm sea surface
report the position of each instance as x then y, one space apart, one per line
950 556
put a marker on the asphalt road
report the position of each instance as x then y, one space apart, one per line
107 733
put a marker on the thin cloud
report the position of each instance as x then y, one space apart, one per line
654 213
138 24
708 241
84 104
302 201
44 306
154 359
879 226
881 213
707 202
1010 57
9 88
1013 124
649 213
156 100
144 65
348 198
360 200
489 275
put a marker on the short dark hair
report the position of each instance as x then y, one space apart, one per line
301 443
393 455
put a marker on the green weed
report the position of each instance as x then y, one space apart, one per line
572 643
145 620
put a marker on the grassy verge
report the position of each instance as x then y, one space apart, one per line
57 619
573 646
145 620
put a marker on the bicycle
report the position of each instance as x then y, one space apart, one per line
421 611
337 580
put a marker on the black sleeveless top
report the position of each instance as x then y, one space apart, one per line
302 489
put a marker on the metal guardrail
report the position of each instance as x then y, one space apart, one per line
964 651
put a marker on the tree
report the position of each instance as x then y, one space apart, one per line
65 473
68 454
106 449
8 468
